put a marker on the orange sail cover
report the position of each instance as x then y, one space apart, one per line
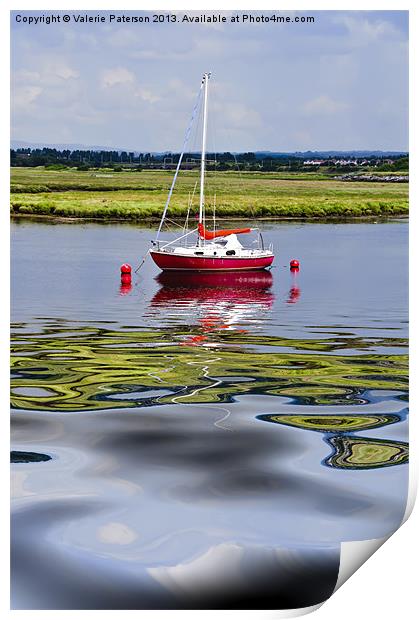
208 234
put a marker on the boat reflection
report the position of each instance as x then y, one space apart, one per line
213 301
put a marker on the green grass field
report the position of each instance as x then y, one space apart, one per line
141 195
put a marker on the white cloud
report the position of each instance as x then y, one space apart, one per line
53 71
25 95
26 76
323 105
48 72
241 116
348 72
66 72
181 90
122 38
364 31
146 95
119 75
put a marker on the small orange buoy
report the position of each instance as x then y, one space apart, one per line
294 264
125 269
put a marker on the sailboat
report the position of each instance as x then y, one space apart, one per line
201 249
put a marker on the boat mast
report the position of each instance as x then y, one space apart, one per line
204 141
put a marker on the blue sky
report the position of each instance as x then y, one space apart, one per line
340 83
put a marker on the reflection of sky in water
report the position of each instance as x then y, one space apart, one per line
251 482
168 476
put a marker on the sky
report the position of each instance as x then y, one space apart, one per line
338 84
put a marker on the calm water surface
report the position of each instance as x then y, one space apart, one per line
203 442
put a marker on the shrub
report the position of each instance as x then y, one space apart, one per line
55 167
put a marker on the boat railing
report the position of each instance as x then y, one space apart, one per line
171 250
168 246
159 246
163 245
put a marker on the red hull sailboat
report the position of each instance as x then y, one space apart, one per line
179 262
212 250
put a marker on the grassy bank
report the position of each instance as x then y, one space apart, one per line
142 195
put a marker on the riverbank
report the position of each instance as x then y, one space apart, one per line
141 195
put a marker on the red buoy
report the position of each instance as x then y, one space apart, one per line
294 264
125 269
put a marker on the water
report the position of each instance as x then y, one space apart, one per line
206 442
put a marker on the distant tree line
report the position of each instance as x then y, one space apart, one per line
118 160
